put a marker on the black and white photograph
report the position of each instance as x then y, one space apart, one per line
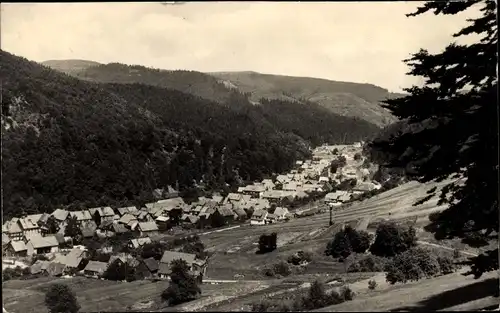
250 156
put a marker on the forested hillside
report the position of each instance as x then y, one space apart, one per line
362 101
314 123
71 142
192 82
66 141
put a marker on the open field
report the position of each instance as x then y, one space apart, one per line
101 295
93 295
235 249
448 292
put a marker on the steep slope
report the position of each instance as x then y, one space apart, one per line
67 142
314 123
344 98
70 66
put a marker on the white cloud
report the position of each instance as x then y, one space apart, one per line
360 42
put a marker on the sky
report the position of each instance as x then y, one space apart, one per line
361 42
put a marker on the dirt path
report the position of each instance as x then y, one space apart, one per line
445 248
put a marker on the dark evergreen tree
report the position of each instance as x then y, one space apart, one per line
451 127
52 226
73 230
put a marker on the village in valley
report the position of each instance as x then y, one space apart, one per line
278 200
176 165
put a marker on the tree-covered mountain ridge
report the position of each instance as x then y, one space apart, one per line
356 100
74 143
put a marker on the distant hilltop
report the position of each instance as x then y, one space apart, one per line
70 66
361 101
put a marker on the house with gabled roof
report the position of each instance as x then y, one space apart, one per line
55 269
190 219
152 265
239 213
119 228
164 268
139 242
217 198
245 199
95 269
290 186
60 215
28 226
147 229
233 197
125 210
259 217
143 216
35 218
39 267
268 184
226 212
283 179
72 260
42 245
170 203
82 217
105 213
253 190
16 248
197 209
14 230
280 213
127 218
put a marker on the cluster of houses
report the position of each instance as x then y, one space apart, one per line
353 169
77 260
262 202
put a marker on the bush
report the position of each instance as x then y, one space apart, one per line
348 241
372 284
475 239
269 272
446 265
262 306
299 257
282 269
412 265
369 263
392 239
61 299
268 243
346 293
